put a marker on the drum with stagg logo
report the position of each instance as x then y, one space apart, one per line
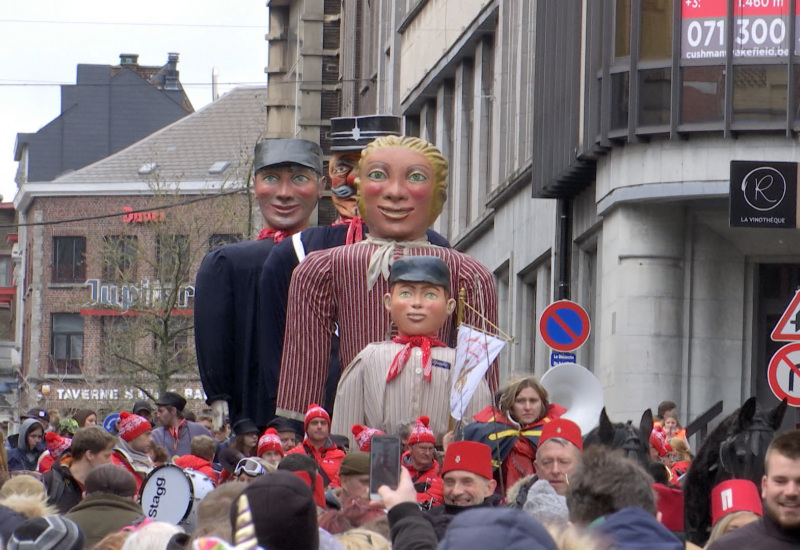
171 494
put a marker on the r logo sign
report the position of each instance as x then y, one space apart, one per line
763 194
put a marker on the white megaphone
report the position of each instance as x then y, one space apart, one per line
578 390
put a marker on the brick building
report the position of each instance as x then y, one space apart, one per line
111 247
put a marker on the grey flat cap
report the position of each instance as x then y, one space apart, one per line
270 152
420 269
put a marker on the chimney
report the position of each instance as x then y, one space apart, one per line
171 77
128 59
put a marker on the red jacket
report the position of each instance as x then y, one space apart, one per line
329 457
518 463
198 464
434 493
119 460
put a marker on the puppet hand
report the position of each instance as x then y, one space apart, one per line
405 491
219 409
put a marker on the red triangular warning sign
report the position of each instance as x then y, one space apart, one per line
788 328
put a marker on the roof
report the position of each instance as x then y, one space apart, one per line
185 151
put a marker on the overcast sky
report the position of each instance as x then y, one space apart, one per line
43 41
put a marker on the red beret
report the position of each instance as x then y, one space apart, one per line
470 456
734 495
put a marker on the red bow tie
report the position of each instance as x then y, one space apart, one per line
400 360
276 235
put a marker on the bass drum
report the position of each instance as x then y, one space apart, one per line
171 494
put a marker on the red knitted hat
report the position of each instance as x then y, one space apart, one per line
421 432
315 411
364 436
469 456
132 426
734 495
270 441
564 429
57 444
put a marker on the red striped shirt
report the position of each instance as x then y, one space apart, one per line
329 288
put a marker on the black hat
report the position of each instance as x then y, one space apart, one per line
282 424
38 414
141 406
245 426
270 152
420 269
355 133
283 513
171 399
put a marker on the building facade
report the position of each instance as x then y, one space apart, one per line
590 146
111 251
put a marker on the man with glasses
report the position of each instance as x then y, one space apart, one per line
420 462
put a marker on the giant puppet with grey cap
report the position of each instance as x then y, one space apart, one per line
349 136
287 181
375 387
402 187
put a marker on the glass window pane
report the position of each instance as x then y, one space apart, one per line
76 346
67 322
703 94
60 346
759 93
5 271
654 97
622 29
656 29
619 101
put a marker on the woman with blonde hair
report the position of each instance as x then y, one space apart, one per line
512 427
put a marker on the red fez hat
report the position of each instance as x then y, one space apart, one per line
470 456
563 429
734 495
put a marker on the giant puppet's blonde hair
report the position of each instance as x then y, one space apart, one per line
431 152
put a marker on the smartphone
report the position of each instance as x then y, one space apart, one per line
384 463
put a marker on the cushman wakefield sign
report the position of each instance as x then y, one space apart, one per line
763 194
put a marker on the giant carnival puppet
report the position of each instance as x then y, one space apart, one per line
410 375
287 181
349 136
402 187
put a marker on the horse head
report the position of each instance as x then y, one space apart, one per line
742 453
634 442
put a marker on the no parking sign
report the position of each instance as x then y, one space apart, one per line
564 325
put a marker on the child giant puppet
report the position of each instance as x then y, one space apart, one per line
402 187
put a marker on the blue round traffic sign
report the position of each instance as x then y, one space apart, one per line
564 325
108 422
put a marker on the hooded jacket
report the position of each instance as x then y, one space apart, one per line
632 528
100 514
497 529
21 457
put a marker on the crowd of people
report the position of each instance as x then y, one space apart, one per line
70 484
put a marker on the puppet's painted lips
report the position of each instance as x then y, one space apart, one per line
397 214
285 209
416 317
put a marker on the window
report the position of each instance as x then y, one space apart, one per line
119 257
66 346
69 259
6 278
173 258
221 239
